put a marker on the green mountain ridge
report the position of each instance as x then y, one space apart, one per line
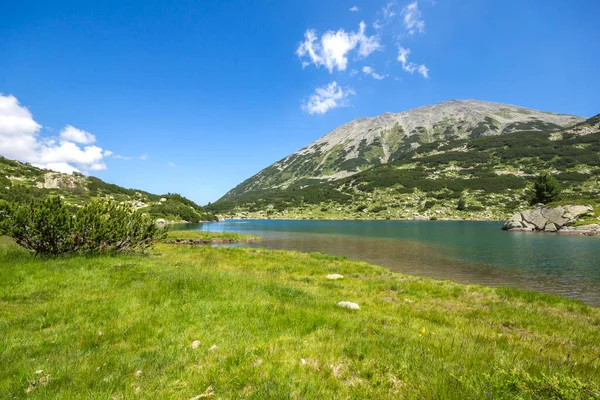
492 174
20 182
366 142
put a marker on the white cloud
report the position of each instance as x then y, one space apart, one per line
20 140
108 153
411 67
367 44
371 72
412 18
354 9
326 98
388 10
72 134
403 55
16 120
332 49
171 164
58 167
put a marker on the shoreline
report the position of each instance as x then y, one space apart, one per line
357 219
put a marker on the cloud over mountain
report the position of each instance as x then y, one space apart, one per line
20 139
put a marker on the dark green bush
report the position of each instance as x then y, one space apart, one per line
378 209
47 227
462 204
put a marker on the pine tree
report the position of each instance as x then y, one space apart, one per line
546 189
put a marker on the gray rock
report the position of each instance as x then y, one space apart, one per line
555 215
348 304
528 226
536 218
550 219
577 211
513 223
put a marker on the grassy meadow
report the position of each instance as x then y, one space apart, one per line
194 322
211 237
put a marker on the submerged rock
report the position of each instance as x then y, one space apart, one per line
558 219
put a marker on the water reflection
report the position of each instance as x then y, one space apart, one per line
466 252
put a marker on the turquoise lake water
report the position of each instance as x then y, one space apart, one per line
462 251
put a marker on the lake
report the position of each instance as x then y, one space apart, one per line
461 251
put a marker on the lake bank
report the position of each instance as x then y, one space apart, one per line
183 320
464 252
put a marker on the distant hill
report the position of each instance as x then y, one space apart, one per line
367 142
492 173
20 182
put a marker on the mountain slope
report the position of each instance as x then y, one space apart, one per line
493 175
366 142
19 182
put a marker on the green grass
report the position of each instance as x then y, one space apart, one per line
211 236
90 324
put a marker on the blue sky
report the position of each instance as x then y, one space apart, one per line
195 96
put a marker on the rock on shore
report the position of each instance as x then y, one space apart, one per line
558 219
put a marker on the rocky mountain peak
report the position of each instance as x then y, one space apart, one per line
365 142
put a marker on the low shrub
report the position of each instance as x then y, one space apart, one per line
46 227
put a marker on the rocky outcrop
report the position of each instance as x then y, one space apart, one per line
560 219
56 180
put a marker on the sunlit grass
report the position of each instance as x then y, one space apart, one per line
253 323
211 236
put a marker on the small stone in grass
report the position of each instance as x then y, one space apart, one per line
334 276
348 304
195 344
138 372
213 347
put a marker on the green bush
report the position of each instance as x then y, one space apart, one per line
462 204
47 227
545 189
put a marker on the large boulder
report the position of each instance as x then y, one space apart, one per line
548 219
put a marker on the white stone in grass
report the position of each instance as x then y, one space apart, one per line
195 344
213 347
334 276
348 304
138 372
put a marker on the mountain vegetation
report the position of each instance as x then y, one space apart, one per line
195 322
20 183
475 177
